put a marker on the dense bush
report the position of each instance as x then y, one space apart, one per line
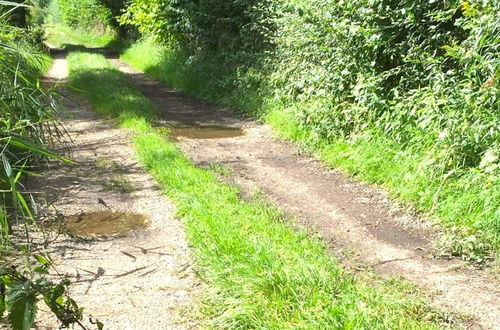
39 11
213 25
406 68
115 7
421 76
90 15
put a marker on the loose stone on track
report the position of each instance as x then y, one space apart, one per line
140 278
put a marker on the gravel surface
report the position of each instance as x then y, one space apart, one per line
137 280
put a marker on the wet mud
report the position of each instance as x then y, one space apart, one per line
102 223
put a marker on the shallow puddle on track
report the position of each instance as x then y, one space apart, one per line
103 223
202 132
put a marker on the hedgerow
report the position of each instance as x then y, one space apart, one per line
419 77
88 15
409 69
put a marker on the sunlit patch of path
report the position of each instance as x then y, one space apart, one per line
141 279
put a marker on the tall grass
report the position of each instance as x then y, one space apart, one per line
28 112
28 124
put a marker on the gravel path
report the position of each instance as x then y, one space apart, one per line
139 280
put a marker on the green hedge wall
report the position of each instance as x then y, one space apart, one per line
421 72
90 15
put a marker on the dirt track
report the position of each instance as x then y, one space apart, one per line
128 281
141 279
364 228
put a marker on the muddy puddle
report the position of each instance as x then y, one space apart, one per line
104 223
203 132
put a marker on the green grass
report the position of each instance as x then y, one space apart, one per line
59 35
465 204
261 272
26 112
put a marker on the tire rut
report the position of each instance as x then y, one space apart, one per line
351 216
141 279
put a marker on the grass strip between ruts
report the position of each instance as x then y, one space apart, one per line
262 273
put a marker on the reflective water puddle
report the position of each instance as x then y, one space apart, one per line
203 132
104 223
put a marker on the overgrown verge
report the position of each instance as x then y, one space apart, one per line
87 23
404 94
26 112
27 126
263 273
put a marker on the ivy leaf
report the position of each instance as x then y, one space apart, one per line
21 300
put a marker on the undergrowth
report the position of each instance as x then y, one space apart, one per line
464 201
263 273
60 35
28 125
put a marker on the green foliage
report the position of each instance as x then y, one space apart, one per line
26 113
99 18
214 25
27 123
265 273
86 15
22 306
21 290
411 70
116 9
14 12
416 80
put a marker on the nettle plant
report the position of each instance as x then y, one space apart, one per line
23 286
